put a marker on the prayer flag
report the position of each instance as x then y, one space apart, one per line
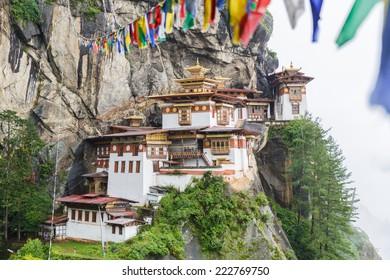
359 11
316 6
176 13
182 9
191 10
295 9
118 40
213 11
152 26
381 93
127 38
254 17
168 9
220 4
237 11
207 13
161 29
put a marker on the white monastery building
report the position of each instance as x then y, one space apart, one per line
205 127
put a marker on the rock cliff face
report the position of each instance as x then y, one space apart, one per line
272 162
72 93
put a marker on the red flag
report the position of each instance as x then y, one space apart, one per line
213 11
253 19
182 9
157 15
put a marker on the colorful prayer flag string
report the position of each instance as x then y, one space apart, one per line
152 27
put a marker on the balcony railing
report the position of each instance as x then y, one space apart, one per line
185 153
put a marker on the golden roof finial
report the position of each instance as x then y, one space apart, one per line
197 61
291 65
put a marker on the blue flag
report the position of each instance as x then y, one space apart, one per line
220 4
316 6
381 93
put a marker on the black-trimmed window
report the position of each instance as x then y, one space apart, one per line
73 215
123 166
220 146
86 216
223 114
184 115
130 166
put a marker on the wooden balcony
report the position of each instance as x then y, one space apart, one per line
219 151
185 154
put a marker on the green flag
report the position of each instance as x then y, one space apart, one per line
359 11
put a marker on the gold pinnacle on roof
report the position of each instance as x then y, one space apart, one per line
292 68
197 71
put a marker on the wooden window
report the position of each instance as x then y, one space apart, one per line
123 166
86 216
73 215
130 166
93 217
137 166
79 215
155 166
136 150
295 109
120 230
113 229
220 147
116 166
185 115
223 115
120 150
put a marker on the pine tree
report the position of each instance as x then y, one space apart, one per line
320 190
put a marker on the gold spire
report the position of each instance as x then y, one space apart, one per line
197 70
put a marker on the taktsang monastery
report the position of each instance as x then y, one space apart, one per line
204 128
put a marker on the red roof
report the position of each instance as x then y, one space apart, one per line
56 220
125 213
92 199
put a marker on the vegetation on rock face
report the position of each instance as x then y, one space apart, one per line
24 197
323 205
211 213
26 11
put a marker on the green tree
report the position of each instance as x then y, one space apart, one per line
32 250
24 200
321 194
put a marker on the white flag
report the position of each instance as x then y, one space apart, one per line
295 9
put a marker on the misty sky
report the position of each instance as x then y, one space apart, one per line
339 95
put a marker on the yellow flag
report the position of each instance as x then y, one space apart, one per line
127 38
207 13
237 10
169 23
